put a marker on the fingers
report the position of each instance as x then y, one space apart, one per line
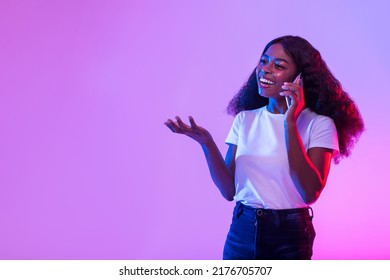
179 122
295 86
172 126
291 86
179 126
184 127
192 122
293 93
290 89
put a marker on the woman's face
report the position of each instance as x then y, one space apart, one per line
275 68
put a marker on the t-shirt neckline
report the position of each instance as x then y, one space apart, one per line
273 114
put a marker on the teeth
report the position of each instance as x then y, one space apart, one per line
265 81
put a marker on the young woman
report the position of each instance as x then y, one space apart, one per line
292 118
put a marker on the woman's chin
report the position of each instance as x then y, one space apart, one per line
264 93
269 92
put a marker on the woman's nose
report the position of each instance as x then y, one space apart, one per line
264 70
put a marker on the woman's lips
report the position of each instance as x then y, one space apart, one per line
265 83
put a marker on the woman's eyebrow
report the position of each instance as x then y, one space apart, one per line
279 59
282 60
264 56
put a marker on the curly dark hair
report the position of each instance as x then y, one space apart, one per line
323 92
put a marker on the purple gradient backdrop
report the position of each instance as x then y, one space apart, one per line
89 171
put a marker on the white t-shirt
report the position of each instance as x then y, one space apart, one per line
262 177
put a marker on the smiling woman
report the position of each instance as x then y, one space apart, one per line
275 68
279 156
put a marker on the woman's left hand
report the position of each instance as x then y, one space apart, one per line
294 91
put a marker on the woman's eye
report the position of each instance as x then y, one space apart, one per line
279 66
263 61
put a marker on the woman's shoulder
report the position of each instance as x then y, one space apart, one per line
309 116
253 112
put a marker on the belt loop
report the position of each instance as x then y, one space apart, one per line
238 209
276 217
311 213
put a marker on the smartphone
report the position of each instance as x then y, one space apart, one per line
288 99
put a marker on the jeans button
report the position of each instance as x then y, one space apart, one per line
259 212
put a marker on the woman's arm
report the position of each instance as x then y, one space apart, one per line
310 170
222 172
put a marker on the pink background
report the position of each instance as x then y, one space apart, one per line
89 171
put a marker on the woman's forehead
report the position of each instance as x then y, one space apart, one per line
277 52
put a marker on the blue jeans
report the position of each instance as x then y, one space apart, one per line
266 234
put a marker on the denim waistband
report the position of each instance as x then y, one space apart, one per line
240 207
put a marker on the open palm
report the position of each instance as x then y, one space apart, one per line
198 133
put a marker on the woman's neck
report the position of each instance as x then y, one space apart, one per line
277 106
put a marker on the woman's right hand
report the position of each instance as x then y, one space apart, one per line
198 133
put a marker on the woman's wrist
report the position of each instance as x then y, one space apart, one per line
207 143
290 124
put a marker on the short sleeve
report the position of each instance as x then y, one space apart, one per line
324 134
233 134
